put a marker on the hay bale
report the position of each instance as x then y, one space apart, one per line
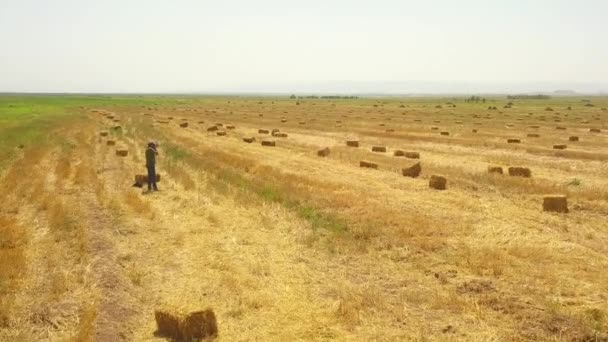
352 143
110 117
560 147
434 128
183 124
199 325
212 129
168 324
595 130
280 135
122 153
379 149
412 155
368 164
302 122
117 128
110 142
263 131
573 138
201 122
283 120
249 140
445 133
473 131
555 203
143 179
412 171
533 135
495 169
438 182
221 133
560 128
513 141
103 134
268 143
230 127
178 326
518 171
399 153
324 152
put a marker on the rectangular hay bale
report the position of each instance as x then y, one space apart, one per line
323 153
143 179
180 326
519 171
495 169
368 164
122 153
412 155
438 182
412 171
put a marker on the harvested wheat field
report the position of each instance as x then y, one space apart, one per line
267 241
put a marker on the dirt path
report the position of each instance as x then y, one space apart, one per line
114 304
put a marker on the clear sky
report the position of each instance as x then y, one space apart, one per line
313 45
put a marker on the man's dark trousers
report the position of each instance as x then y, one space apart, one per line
152 177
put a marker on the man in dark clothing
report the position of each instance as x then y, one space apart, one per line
151 154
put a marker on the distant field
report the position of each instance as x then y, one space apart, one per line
284 244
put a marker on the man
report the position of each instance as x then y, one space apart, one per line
151 154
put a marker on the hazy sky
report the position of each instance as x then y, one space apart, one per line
282 45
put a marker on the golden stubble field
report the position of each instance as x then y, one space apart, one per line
284 244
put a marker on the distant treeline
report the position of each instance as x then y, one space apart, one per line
330 97
474 99
528 97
